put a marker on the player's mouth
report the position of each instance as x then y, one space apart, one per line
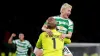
68 15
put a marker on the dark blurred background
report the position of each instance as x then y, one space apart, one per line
28 17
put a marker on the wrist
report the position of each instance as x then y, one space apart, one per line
44 29
67 36
47 29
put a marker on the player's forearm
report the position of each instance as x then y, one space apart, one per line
44 28
38 46
32 50
68 36
10 40
67 41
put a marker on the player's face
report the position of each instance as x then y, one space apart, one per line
67 12
21 36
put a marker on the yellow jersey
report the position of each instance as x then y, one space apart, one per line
52 46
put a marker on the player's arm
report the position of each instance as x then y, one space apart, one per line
69 35
39 42
30 48
70 31
11 38
45 29
67 41
37 49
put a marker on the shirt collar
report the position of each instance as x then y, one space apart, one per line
53 30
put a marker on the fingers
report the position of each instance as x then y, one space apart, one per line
13 35
62 36
50 34
39 52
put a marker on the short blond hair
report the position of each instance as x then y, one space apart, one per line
64 6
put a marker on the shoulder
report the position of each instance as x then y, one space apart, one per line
43 33
57 33
17 40
26 41
70 21
56 17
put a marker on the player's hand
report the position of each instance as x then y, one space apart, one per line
13 35
39 52
63 36
49 32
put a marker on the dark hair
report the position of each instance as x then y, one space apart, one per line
21 33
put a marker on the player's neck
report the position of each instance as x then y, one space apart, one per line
61 15
53 29
21 40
